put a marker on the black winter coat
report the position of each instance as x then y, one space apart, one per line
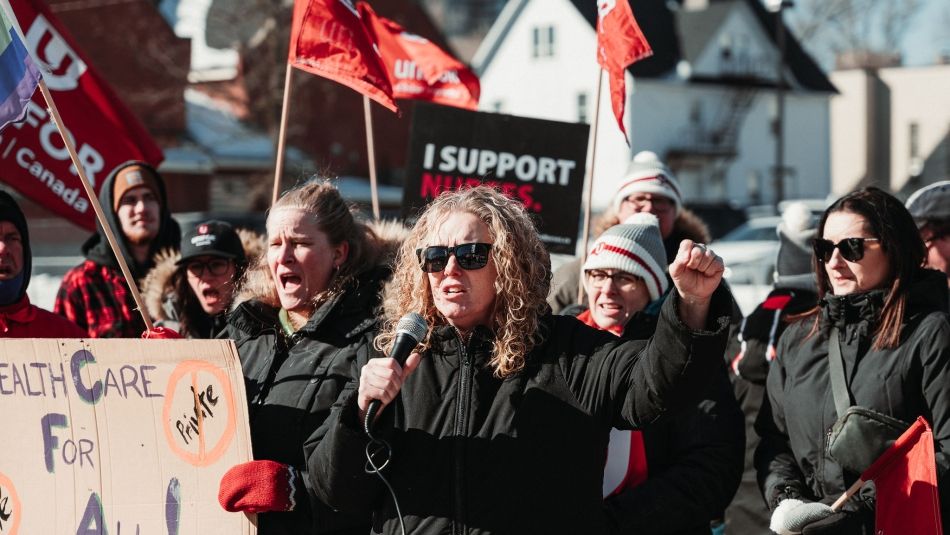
472 453
906 382
694 460
292 383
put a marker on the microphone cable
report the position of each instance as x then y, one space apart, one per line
374 447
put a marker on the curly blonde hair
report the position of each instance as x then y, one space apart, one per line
522 262
320 199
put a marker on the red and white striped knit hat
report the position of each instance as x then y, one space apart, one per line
636 247
647 174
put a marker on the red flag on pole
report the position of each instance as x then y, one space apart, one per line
328 38
33 158
619 44
417 68
905 478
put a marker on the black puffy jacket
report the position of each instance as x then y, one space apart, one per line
694 460
292 383
472 453
906 382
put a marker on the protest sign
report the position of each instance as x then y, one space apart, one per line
120 436
539 162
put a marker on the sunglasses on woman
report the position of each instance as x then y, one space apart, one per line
468 255
852 249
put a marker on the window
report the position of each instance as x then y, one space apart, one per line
914 140
542 42
582 107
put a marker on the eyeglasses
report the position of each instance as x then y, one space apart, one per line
218 266
468 255
852 249
658 202
624 281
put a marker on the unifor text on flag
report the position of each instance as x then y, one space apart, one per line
418 69
620 43
33 158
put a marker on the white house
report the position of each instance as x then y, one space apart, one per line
705 101
890 127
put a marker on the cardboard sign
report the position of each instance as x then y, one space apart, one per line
541 163
125 437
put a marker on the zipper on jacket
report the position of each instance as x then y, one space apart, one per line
458 526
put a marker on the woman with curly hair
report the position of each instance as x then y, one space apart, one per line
307 311
504 411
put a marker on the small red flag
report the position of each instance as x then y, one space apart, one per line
905 478
33 157
417 68
328 38
620 42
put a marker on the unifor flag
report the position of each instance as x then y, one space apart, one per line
18 74
905 481
33 158
328 38
418 69
620 43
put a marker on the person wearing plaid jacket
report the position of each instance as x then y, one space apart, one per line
94 294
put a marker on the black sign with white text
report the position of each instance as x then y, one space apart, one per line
541 163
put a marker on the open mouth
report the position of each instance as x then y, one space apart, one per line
6 270
211 295
289 279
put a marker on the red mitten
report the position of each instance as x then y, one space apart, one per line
161 333
259 487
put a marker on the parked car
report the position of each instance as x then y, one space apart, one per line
749 251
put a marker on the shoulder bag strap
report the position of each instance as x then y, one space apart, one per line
839 386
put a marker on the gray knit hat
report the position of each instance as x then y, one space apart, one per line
930 203
796 232
647 174
636 247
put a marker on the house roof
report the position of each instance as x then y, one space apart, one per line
675 35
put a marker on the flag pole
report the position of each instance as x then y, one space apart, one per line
94 200
371 156
589 181
852 490
282 133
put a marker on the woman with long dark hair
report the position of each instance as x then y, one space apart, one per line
894 341
191 291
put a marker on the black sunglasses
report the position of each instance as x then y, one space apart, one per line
468 255
852 249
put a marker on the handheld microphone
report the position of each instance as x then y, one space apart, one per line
410 330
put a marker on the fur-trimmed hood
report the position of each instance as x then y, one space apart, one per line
157 286
387 237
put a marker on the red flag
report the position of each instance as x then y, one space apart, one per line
619 44
905 477
328 39
33 158
417 68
